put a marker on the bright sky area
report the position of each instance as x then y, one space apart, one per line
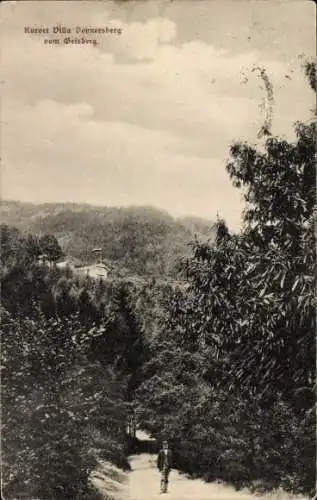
146 117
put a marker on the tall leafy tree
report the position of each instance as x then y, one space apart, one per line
251 296
246 321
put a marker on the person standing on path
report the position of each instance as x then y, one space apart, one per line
164 464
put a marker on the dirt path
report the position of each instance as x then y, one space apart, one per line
143 483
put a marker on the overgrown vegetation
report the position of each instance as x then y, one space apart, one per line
222 365
231 379
69 362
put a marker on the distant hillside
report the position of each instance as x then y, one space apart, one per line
139 240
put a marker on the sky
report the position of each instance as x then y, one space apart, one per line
146 117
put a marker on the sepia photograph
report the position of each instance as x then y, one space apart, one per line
158 250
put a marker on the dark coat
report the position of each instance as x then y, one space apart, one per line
161 458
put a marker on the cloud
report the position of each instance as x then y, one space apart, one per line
142 40
172 92
106 163
136 119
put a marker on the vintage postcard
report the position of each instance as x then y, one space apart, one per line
158 185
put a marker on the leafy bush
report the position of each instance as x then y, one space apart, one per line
50 404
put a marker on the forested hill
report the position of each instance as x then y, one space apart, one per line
137 240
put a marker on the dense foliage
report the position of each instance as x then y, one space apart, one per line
221 363
52 396
135 241
231 379
71 349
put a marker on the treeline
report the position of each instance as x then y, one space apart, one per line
137 241
231 379
71 351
